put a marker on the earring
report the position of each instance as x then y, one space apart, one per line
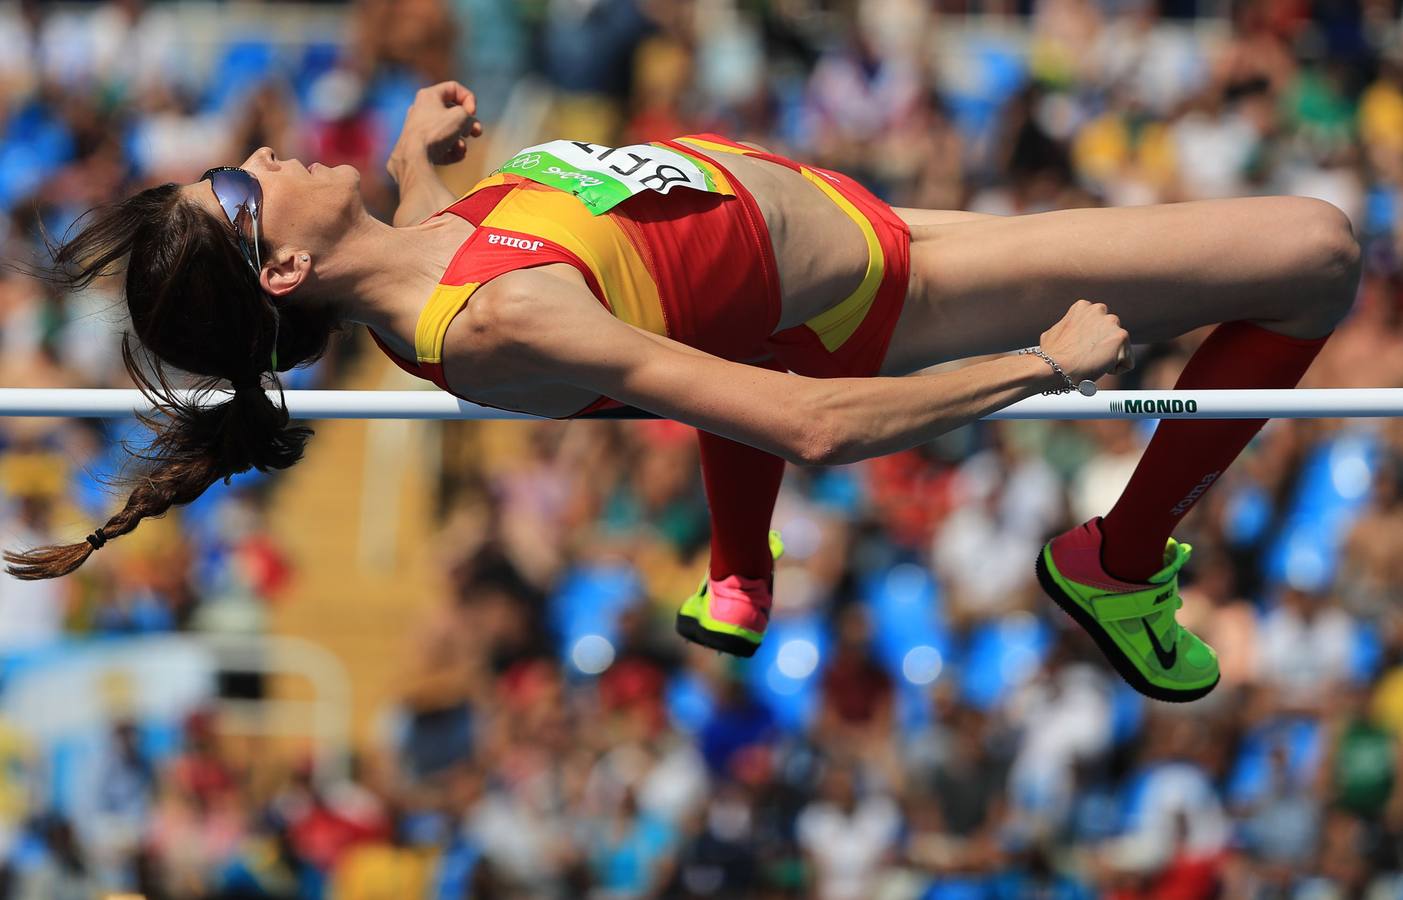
305 257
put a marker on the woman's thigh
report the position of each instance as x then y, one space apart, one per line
924 218
992 284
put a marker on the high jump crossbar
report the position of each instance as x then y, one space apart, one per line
1330 403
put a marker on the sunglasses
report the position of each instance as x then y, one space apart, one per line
241 196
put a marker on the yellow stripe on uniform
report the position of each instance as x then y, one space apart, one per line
836 325
712 145
445 301
490 181
596 240
443 305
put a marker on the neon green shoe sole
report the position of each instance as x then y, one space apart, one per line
696 624
1137 631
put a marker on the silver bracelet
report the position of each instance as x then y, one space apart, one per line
1087 387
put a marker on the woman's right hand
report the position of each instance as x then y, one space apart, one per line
1088 342
438 125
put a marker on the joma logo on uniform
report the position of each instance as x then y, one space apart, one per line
1183 505
518 243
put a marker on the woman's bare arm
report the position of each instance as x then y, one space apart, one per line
435 133
535 327
421 192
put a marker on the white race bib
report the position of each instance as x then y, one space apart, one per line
603 177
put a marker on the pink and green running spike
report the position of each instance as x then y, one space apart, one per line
1133 624
730 615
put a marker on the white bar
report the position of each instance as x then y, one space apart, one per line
90 403
1277 404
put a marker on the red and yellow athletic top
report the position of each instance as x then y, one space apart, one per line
695 266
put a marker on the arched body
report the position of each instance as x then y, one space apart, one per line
974 285
761 300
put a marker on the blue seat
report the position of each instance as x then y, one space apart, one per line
1332 492
909 636
245 63
906 612
689 702
786 672
35 145
999 655
1367 657
318 58
957 887
1380 211
992 71
588 603
1247 514
1299 737
839 488
1127 712
388 98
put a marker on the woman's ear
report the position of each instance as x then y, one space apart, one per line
281 276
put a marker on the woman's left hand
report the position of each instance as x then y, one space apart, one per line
438 125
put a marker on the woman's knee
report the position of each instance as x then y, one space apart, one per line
1326 259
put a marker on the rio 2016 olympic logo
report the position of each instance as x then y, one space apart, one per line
585 181
529 161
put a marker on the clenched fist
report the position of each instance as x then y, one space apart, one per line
1088 342
438 126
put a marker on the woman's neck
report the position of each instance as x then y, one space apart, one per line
382 275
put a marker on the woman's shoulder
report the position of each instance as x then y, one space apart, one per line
481 199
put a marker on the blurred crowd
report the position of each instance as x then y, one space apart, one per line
920 722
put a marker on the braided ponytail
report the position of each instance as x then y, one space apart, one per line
195 446
196 306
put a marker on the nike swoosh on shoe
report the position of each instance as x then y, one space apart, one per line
1166 658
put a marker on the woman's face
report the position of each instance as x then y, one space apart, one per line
306 209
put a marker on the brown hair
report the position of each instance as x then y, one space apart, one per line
196 305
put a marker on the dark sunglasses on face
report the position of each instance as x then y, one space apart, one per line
241 197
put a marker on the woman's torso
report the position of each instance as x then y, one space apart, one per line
819 252
818 257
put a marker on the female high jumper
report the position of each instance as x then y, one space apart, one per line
770 304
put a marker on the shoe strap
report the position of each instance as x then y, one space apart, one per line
1170 572
753 593
1137 604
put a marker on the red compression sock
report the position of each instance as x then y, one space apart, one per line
741 486
1186 456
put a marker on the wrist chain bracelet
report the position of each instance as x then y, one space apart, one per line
1087 387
